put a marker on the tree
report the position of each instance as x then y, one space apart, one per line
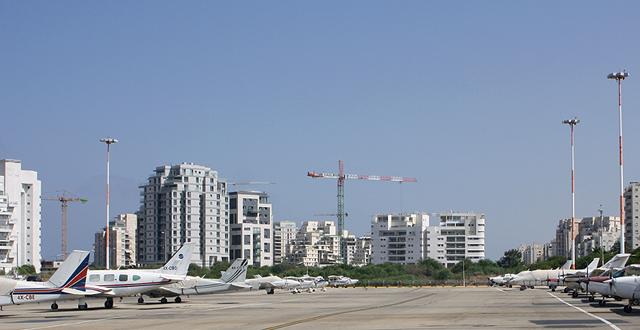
26 270
511 259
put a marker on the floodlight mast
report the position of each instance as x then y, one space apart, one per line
108 141
572 123
619 77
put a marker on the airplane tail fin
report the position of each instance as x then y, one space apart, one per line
618 261
237 272
594 264
567 265
73 271
179 262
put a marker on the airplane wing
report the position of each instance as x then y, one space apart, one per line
95 289
81 293
175 278
240 285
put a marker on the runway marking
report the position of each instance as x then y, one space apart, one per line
613 326
318 317
500 290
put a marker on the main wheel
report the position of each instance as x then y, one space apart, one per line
602 302
592 298
140 300
108 304
271 291
553 289
565 290
163 300
627 309
574 294
178 300
54 307
83 306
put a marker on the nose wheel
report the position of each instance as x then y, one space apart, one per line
140 300
54 307
178 300
628 309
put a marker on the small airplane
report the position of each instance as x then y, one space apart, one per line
132 282
231 280
606 284
550 277
337 281
580 280
270 283
500 280
626 285
67 283
310 283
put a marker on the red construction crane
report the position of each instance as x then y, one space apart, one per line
341 177
64 203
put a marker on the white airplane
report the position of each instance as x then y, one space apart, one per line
232 280
550 277
132 282
605 284
500 280
67 283
526 273
310 283
337 281
626 285
270 283
580 280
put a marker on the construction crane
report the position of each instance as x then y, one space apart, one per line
342 177
64 203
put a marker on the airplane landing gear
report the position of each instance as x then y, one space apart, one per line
82 304
270 291
602 302
627 308
54 307
163 300
592 298
565 290
523 287
140 300
574 294
108 304
178 300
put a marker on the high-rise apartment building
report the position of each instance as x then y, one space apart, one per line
563 237
398 238
457 236
531 253
184 203
284 232
251 220
122 242
358 250
596 232
632 216
19 216
316 243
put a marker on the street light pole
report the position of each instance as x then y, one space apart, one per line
572 123
601 234
619 77
108 142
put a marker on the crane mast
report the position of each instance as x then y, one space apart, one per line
64 205
341 178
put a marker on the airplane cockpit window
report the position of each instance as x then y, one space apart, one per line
94 278
109 277
136 277
123 278
632 271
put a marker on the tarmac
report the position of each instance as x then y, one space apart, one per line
342 308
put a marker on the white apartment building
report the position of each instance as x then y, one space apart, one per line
316 244
251 220
456 237
358 250
632 216
184 203
596 232
284 232
398 238
531 253
122 242
19 216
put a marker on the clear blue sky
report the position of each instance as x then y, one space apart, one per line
466 96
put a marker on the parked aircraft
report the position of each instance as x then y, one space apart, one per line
580 280
550 277
605 283
310 283
67 283
131 282
626 285
270 283
500 279
231 280
336 281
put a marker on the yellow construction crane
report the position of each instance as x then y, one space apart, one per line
64 203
